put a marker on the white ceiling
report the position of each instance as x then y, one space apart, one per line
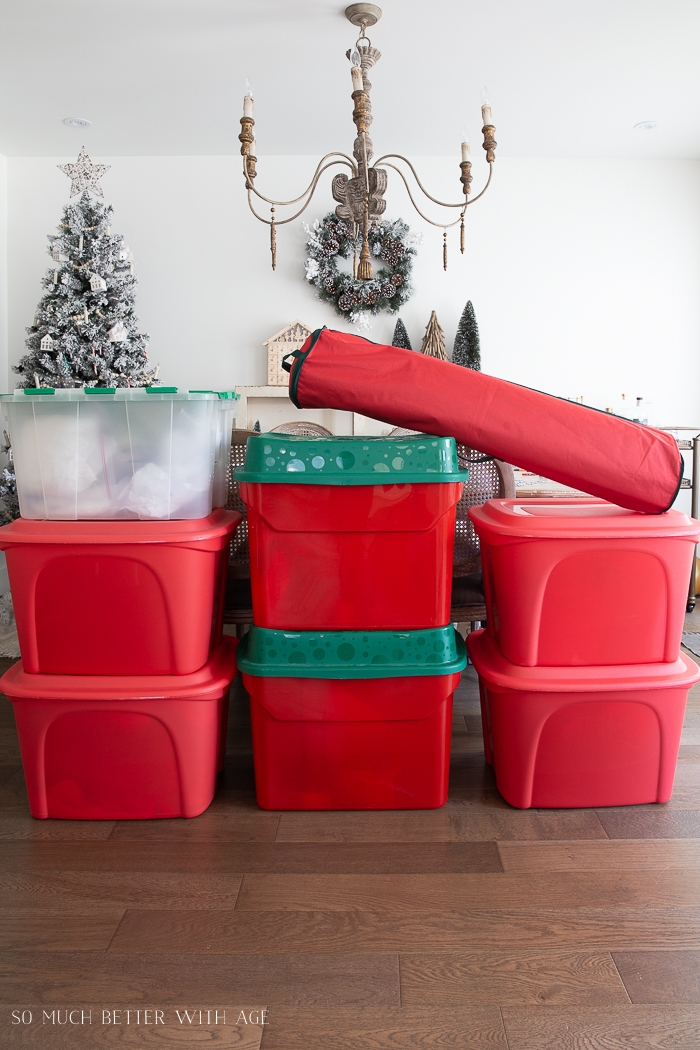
567 78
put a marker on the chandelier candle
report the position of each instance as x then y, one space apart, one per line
360 194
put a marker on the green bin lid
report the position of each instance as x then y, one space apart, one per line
334 460
267 653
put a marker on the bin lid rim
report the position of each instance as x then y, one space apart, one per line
208 683
494 668
269 653
120 531
122 393
573 518
349 460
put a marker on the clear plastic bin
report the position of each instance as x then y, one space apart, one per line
101 453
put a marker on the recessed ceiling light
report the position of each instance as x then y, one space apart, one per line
646 125
77 122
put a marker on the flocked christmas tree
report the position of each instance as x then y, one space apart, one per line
401 336
8 484
433 344
466 350
85 330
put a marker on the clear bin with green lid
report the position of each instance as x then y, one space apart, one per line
351 533
351 719
106 453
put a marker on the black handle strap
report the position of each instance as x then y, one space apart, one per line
289 359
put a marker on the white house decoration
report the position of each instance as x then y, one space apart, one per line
46 342
290 338
117 333
97 283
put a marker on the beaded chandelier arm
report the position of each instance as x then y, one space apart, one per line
361 197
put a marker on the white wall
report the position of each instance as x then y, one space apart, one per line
3 274
584 274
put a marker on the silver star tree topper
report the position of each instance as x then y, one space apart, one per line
85 175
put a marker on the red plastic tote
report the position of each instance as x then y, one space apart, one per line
124 747
634 466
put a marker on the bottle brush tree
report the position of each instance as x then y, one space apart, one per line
401 336
466 350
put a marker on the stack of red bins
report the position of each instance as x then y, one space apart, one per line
352 662
121 695
583 686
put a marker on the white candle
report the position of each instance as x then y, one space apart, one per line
248 100
465 150
485 107
356 74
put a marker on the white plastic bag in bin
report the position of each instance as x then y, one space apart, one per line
153 453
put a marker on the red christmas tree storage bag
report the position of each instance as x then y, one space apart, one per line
634 466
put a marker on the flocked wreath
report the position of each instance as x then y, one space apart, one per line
392 248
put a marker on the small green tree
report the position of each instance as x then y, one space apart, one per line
466 350
401 336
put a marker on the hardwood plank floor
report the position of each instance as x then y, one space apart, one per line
660 977
395 894
353 931
391 1028
638 855
290 978
475 978
477 926
602 1027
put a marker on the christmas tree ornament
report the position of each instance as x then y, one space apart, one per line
84 175
117 333
433 344
466 350
401 336
391 245
84 345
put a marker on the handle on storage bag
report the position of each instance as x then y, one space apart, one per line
635 466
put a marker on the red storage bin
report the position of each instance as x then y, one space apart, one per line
330 549
118 597
592 736
122 748
584 582
325 737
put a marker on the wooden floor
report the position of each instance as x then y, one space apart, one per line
476 926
